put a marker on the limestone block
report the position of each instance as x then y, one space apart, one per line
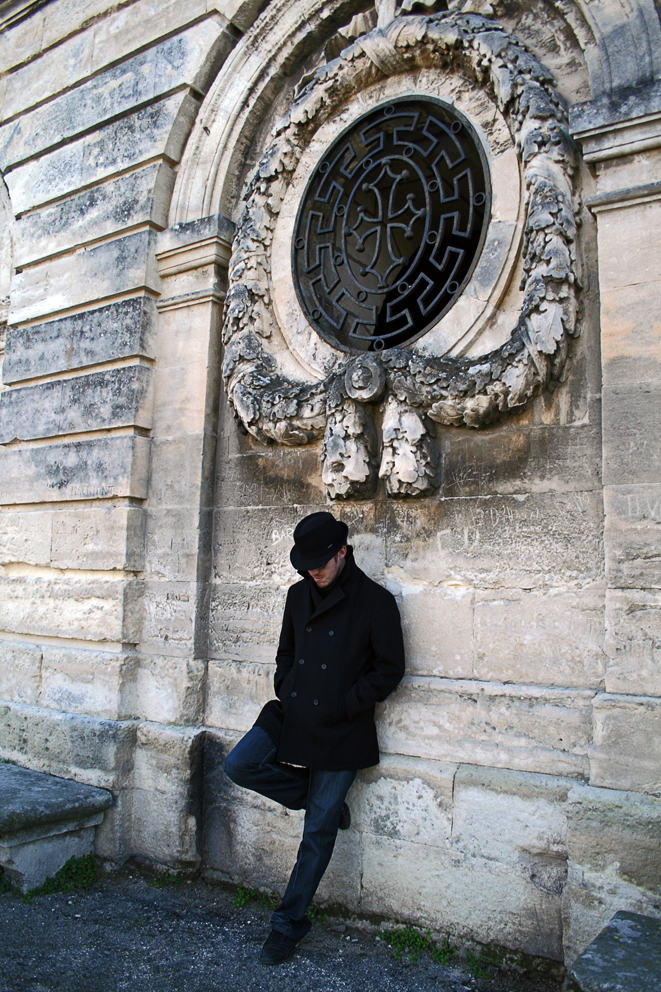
551 637
181 399
405 798
438 630
158 129
632 441
626 753
120 266
515 818
25 537
180 470
266 477
507 726
85 608
169 617
629 251
172 539
633 535
119 330
137 198
456 894
108 538
170 690
96 469
502 461
631 333
245 621
165 797
97 683
236 692
115 92
90 750
113 398
20 672
633 641
524 541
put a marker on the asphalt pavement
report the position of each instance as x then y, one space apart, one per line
127 933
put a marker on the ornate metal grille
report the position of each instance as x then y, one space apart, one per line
391 225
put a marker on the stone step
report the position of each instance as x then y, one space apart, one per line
44 821
625 957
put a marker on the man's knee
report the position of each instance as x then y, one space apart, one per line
234 767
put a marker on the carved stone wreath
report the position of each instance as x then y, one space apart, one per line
415 388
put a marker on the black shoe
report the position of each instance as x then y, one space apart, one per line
278 947
345 818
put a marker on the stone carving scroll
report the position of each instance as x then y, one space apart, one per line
415 389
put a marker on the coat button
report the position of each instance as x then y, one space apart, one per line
293 695
330 633
324 665
316 702
308 629
301 661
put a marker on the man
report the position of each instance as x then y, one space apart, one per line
340 652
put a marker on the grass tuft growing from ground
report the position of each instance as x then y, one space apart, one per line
244 895
164 879
413 943
77 873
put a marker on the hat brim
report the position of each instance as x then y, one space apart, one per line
302 564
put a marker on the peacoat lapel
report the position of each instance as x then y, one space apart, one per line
333 597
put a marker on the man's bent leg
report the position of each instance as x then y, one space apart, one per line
326 796
252 764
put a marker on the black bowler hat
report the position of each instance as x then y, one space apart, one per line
317 538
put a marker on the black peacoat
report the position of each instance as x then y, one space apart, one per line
337 657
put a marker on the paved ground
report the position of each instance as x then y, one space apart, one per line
125 933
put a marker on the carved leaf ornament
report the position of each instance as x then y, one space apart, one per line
414 388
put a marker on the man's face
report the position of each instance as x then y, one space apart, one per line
324 576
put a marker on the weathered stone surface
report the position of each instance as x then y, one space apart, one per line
406 798
173 538
633 535
28 864
31 799
438 630
633 641
116 91
236 691
513 817
121 266
616 834
158 129
169 617
137 198
180 468
245 621
119 330
625 957
626 753
632 441
96 683
95 752
166 798
267 477
456 893
25 537
523 541
170 690
513 461
629 252
114 398
96 469
507 726
108 538
553 637
20 672
86 608
631 334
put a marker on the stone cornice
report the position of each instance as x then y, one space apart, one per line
13 11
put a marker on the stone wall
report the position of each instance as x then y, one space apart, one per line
144 539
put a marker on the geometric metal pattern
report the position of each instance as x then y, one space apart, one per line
391 225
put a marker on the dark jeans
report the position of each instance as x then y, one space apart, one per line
252 764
